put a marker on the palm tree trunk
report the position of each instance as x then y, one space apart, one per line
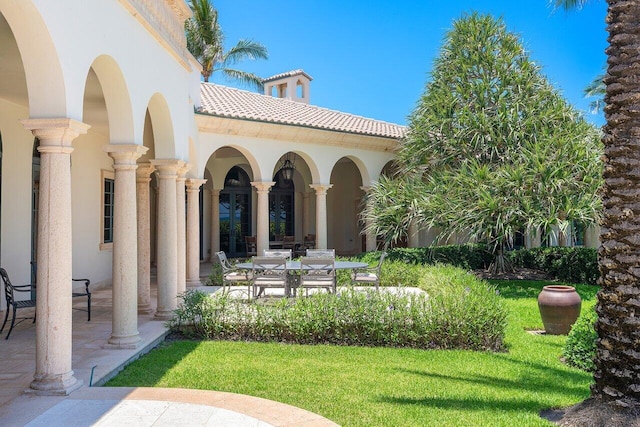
617 376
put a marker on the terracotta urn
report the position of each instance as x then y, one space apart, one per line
559 308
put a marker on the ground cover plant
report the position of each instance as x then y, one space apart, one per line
364 386
457 311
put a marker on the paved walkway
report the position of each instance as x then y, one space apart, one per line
94 364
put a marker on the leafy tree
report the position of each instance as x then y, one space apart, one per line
492 148
205 41
615 396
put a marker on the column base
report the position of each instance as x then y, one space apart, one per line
145 309
193 283
127 342
56 385
163 315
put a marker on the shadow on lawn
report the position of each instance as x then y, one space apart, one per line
536 379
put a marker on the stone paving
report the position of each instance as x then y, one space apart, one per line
94 363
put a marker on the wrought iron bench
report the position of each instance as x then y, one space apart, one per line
10 292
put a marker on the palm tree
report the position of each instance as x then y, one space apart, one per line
205 41
596 89
615 395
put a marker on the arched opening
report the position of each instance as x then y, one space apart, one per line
235 212
281 207
344 206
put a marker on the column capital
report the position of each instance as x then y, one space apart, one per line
321 189
182 171
144 171
124 155
193 184
263 186
56 134
167 168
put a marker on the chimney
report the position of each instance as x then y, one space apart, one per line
292 85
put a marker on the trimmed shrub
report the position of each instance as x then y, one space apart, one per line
570 265
580 347
468 257
458 311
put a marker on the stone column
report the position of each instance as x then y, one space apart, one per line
414 235
262 213
321 214
167 258
532 238
182 227
215 223
371 243
143 178
53 374
193 232
124 320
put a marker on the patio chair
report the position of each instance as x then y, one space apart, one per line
317 273
331 253
251 243
74 294
289 242
10 292
309 241
277 253
232 276
368 275
269 272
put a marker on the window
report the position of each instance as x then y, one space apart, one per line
108 198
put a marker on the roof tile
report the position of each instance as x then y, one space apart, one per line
225 101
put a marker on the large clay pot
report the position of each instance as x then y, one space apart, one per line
559 308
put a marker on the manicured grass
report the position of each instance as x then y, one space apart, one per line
359 386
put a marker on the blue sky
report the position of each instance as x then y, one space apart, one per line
372 58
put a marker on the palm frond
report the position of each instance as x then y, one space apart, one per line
243 77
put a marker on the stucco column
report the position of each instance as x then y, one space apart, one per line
262 214
53 373
321 214
215 223
414 235
371 243
167 259
193 232
124 320
182 227
143 210
532 238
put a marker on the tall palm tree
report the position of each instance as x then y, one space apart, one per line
205 41
616 391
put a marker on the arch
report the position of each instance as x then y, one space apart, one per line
116 99
344 202
43 72
217 175
163 136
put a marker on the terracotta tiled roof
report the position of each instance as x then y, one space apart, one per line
288 74
228 102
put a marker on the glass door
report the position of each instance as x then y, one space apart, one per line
235 213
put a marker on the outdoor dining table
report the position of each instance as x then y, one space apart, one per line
295 266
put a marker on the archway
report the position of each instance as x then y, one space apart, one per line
343 207
235 212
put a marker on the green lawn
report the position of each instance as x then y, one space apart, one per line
356 386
